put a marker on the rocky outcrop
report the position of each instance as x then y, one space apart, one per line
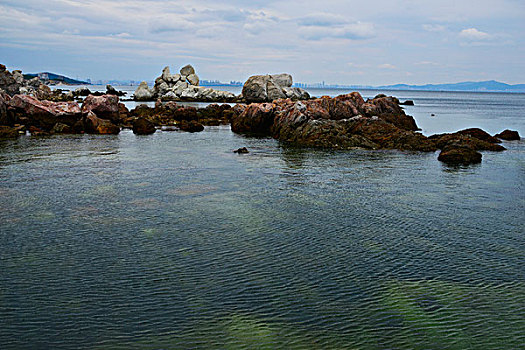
44 114
508 135
182 86
267 88
347 121
143 126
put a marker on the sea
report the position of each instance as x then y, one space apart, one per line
172 241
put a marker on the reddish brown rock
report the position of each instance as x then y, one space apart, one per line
191 126
45 114
479 134
7 132
105 107
459 154
443 140
96 125
257 118
508 135
143 127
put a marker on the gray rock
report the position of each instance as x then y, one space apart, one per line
162 88
193 79
166 75
170 95
143 92
284 79
254 89
266 88
187 70
274 91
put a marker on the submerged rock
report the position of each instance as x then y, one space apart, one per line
242 150
508 135
191 126
459 154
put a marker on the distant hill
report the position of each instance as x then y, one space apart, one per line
55 78
491 85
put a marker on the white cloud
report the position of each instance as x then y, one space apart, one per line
474 34
387 66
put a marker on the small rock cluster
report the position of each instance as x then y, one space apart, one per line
181 86
266 88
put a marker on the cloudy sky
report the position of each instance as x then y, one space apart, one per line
337 41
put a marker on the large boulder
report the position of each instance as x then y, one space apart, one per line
105 107
267 88
193 79
508 135
187 70
45 114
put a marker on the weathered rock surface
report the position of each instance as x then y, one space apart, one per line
8 132
479 134
143 126
183 86
45 114
459 154
347 121
508 135
104 107
96 125
144 93
267 88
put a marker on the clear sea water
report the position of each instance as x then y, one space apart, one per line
171 241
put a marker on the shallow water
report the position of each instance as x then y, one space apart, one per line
173 241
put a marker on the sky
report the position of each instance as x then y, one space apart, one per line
340 42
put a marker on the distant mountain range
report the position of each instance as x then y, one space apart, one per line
491 85
55 78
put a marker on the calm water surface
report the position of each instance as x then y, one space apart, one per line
171 241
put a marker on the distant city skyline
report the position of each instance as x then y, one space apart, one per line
339 42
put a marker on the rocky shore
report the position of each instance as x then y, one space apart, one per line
342 122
